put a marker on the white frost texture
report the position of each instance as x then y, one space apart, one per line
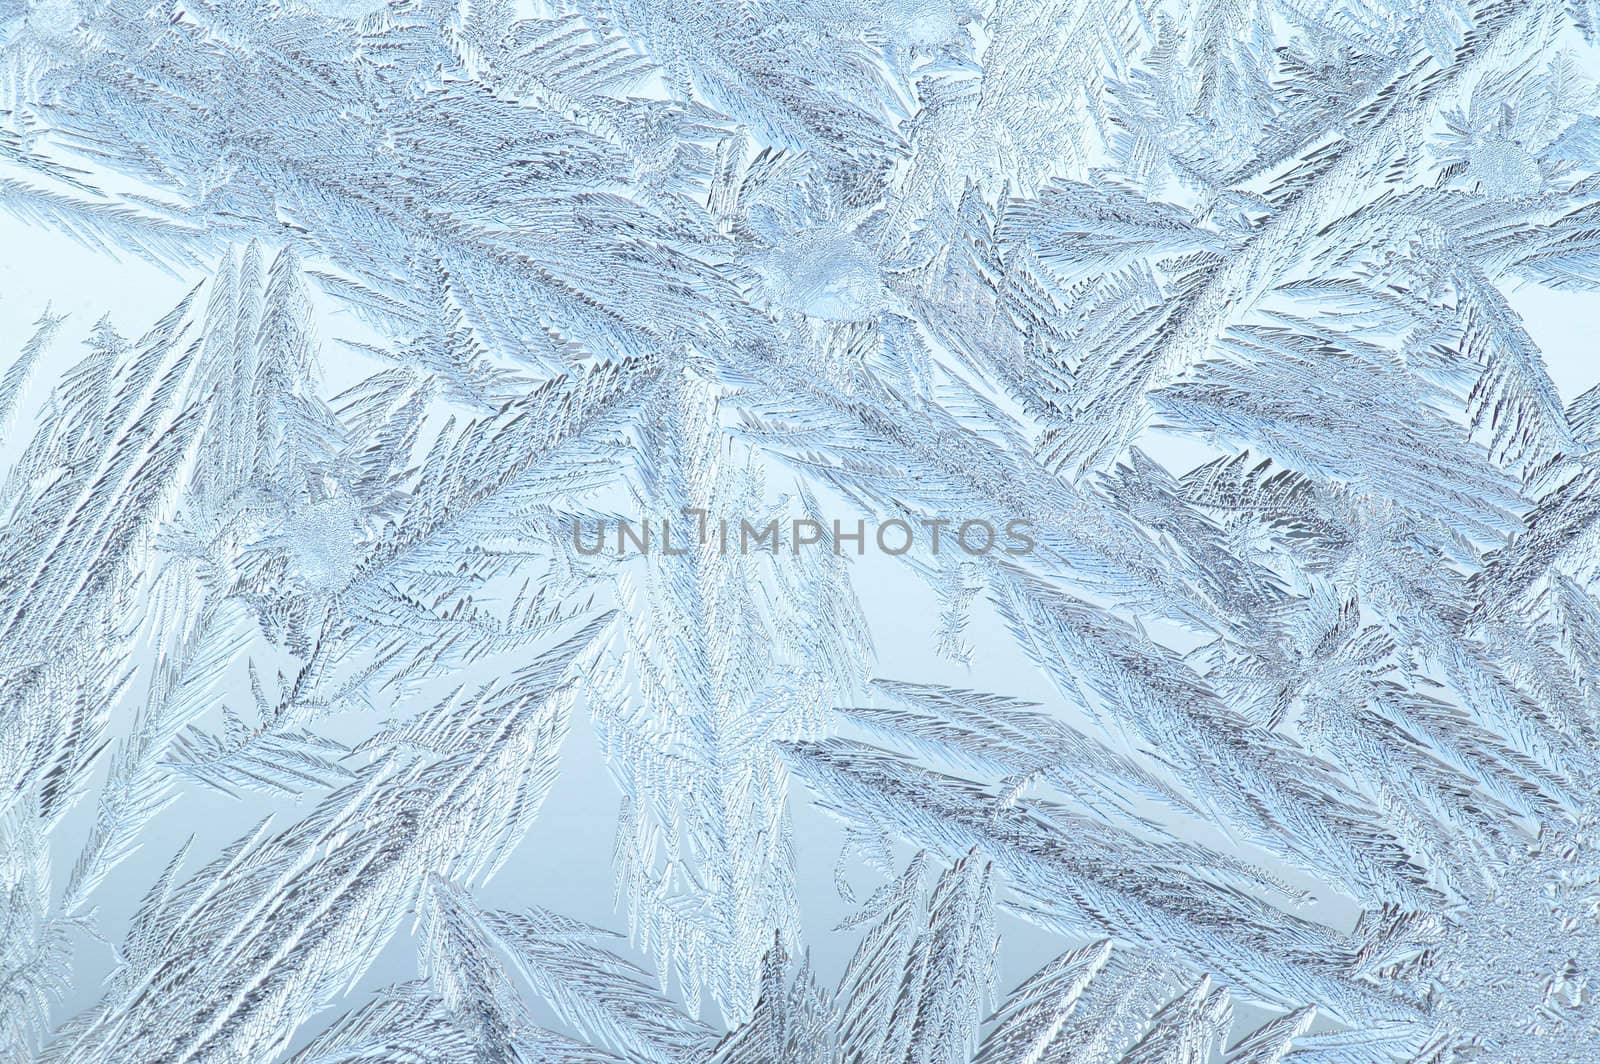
799 531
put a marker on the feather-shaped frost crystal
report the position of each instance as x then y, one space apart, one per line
1261 728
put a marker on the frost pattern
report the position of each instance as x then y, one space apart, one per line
1217 296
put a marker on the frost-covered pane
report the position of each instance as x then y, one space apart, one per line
716 532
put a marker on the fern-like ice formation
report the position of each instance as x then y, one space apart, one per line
1276 741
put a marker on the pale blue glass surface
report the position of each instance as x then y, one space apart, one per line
1251 343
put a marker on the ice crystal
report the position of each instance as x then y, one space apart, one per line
1247 326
